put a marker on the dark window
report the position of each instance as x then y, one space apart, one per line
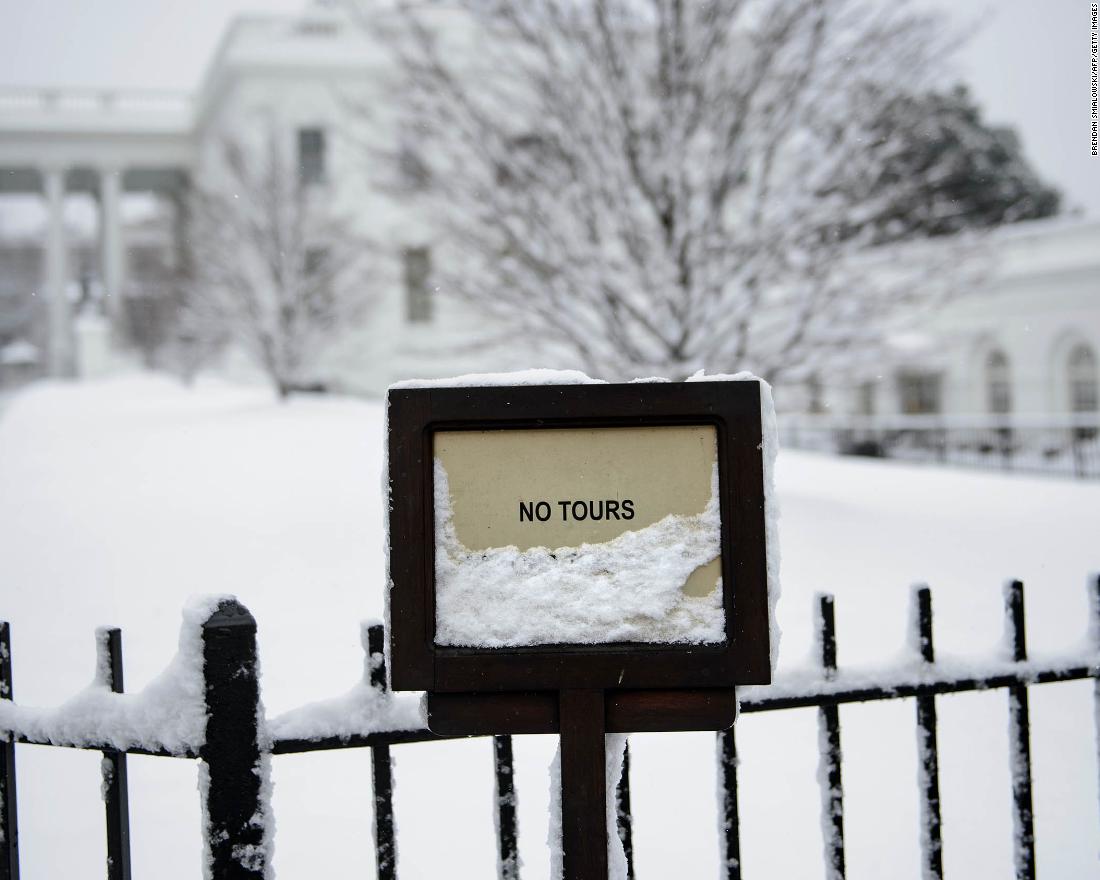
318 283
815 401
526 154
998 382
919 393
418 298
866 400
311 155
1084 395
315 261
414 171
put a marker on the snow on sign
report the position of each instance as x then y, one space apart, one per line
576 534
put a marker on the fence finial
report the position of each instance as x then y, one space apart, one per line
1020 739
826 634
116 786
921 623
9 820
374 643
373 635
236 813
928 770
832 786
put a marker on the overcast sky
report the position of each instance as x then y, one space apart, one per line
1028 62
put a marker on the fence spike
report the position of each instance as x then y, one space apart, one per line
116 788
235 839
828 714
927 746
373 637
505 801
1077 440
1020 741
385 843
730 839
9 813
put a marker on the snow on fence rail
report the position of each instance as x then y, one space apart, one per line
207 705
1064 444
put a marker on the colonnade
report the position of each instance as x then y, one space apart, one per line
56 274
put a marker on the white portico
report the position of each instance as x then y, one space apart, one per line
103 143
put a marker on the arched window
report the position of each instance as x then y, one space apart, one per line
1084 387
998 382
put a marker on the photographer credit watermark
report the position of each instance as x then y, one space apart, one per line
1093 47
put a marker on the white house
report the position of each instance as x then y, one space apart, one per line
1026 341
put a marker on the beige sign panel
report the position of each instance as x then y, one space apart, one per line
563 488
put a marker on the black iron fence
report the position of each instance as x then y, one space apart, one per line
236 747
1067 444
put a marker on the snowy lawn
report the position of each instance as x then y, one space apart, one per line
120 499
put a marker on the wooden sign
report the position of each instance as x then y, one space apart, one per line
594 536
578 559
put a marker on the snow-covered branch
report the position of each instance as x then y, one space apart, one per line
275 272
662 186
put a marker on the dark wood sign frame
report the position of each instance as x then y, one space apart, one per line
417 663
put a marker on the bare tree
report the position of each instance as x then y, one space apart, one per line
660 185
272 270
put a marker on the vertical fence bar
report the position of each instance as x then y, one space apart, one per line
624 821
235 836
928 747
1076 446
9 820
505 792
1094 596
385 844
730 839
583 784
1020 741
832 789
116 789
385 849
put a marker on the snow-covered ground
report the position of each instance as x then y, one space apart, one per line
119 499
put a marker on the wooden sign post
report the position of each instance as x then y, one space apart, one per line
578 559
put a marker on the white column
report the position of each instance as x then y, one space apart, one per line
56 272
114 254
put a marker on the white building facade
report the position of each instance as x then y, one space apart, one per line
1027 341
304 77
1024 341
